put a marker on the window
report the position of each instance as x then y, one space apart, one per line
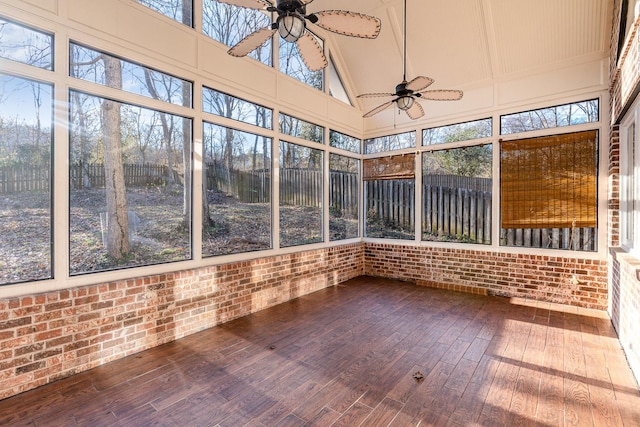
551 117
344 188
300 195
224 105
299 128
178 10
237 184
629 13
26 143
344 142
389 197
456 195
88 64
291 64
629 161
229 24
129 195
548 191
26 45
458 132
390 143
336 88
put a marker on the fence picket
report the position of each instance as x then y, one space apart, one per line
453 207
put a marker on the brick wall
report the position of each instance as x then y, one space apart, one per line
624 278
566 280
52 335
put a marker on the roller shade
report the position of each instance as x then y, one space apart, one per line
549 182
392 167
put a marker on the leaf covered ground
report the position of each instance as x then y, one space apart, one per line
158 233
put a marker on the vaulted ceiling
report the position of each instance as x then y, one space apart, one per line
468 44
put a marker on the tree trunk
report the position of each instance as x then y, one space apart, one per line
186 161
117 216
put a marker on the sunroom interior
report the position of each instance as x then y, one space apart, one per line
154 186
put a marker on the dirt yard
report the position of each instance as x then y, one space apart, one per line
157 231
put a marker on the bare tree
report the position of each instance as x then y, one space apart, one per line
117 213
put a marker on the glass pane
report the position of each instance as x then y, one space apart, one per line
26 142
344 190
584 112
300 195
457 132
291 64
336 88
178 10
23 44
88 64
456 195
345 142
130 185
229 24
301 129
390 143
628 186
237 183
550 117
390 208
224 105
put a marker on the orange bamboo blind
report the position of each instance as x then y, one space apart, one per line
393 167
549 182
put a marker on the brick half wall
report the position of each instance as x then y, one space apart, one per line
565 280
53 335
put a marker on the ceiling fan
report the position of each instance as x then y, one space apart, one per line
291 25
407 93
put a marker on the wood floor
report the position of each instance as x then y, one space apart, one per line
348 355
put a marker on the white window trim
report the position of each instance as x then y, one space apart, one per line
630 177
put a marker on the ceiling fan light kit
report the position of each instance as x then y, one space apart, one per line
291 25
405 102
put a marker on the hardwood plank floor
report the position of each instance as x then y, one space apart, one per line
347 356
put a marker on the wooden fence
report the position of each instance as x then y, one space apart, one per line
297 186
456 208
453 208
580 239
135 175
19 178
246 186
391 201
16 179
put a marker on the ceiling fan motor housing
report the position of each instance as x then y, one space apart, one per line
291 6
401 89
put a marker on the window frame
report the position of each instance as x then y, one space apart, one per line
630 181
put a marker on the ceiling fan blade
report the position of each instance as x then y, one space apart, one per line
311 52
419 84
348 23
249 4
251 42
305 1
416 111
441 95
375 95
378 109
